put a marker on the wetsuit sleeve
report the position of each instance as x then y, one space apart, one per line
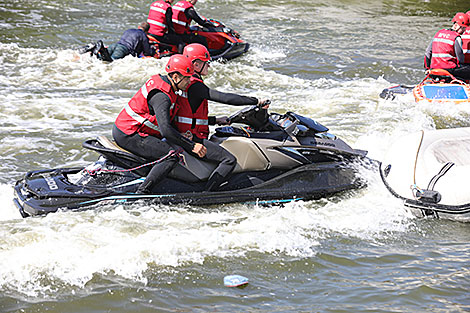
169 20
458 50
160 104
428 55
192 14
199 91
231 98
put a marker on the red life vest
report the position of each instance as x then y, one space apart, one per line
136 117
443 53
157 17
466 45
180 22
185 120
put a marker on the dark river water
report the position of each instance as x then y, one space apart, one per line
360 251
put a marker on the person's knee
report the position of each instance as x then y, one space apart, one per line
230 160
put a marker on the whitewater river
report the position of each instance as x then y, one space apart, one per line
359 251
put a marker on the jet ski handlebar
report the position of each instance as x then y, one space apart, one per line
254 116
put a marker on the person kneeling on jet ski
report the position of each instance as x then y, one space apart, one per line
192 116
146 120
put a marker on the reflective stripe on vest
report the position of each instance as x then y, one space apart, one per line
140 119
179 22
156 23
447 41
158 10
189 121
442 55
144 91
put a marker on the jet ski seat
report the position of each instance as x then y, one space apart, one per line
110 144
116 154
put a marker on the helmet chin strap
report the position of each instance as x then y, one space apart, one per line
202 68
176 84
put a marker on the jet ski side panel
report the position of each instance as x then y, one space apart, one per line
307 182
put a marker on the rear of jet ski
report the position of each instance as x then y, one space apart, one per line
45 191
429 170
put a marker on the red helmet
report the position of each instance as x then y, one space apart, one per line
196 51
468 14
462 19
181 64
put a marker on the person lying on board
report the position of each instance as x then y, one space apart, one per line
133 42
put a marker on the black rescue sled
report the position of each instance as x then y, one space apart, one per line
279 158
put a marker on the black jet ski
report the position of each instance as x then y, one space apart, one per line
280 157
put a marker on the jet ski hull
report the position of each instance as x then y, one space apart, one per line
43 192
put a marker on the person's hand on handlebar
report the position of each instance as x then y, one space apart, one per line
200 150
264 103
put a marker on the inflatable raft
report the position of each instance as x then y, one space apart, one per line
429 171
438 86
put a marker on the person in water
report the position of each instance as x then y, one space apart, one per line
133 41
143 123
445 50
183 13
192 117
161 24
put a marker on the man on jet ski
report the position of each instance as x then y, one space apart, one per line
192 115
183 14
161 24
445 50
146 120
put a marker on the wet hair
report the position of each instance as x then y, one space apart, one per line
145 26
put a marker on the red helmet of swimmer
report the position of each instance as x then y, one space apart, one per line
196 51
462 19
180 64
